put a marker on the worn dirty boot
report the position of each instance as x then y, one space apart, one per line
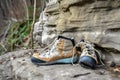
90 57
63 51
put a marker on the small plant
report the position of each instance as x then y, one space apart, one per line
19 35
2 49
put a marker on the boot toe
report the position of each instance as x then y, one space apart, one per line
35 60
87 62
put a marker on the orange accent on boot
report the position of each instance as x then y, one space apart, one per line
60 47
61 52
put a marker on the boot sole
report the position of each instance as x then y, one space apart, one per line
61 61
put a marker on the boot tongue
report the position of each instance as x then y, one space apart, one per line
66 38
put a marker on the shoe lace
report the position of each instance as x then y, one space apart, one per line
100 57
48 46
73 53
91 51
55 46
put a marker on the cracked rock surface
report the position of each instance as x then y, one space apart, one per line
19 67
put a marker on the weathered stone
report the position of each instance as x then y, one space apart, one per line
45 29
94 20
21 68
48 34
6 72
61 72
52 8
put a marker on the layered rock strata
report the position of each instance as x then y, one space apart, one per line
94 20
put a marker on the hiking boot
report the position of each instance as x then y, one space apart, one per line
63 51
89 57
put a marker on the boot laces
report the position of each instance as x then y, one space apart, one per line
91 50
47 47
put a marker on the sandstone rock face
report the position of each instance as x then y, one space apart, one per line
94 20
47 24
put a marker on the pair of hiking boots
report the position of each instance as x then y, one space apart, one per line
64 51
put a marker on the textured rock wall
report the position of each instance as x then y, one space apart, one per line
94 20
